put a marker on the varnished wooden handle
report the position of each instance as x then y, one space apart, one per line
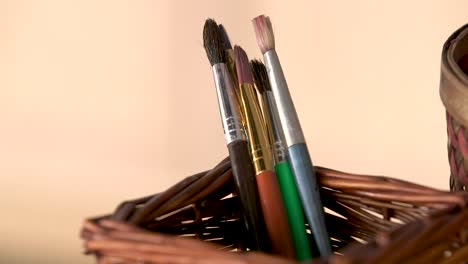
274 214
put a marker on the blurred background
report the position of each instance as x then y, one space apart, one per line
103 101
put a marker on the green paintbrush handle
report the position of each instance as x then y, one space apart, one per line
294 211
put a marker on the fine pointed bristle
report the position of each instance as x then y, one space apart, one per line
224 35
264 33
260 76
213 43
244 72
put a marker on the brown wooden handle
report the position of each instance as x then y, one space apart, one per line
274 214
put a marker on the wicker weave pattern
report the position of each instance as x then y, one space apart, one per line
454 95
441 238
359 209
457 154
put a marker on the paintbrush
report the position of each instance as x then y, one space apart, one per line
298 153
283 171
267 184
231 60
236 140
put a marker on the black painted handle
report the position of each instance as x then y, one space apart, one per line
244 178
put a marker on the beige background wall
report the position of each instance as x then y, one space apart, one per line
102 101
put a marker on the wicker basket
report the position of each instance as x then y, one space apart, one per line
454 94
370 219
382 212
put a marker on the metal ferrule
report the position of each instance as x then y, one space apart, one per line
228 104
273 125
231 64
256 132
287 113
267 122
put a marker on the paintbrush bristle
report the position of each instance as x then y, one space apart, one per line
244 71
223 33
264 33
260 76
213 43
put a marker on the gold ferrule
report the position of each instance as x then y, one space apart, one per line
268 126
258 138
231 64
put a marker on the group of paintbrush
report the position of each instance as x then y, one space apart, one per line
272 169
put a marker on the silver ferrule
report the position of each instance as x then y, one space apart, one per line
287 113
229 107
278 144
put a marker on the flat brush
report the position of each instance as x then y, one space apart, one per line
283 171
267 184
298 153
236 140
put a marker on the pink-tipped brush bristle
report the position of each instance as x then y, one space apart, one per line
244 71
264 33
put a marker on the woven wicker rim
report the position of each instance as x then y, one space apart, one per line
380 210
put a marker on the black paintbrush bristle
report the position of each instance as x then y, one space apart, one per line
213 42
260 76
223 32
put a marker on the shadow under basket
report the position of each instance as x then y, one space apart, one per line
370 219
